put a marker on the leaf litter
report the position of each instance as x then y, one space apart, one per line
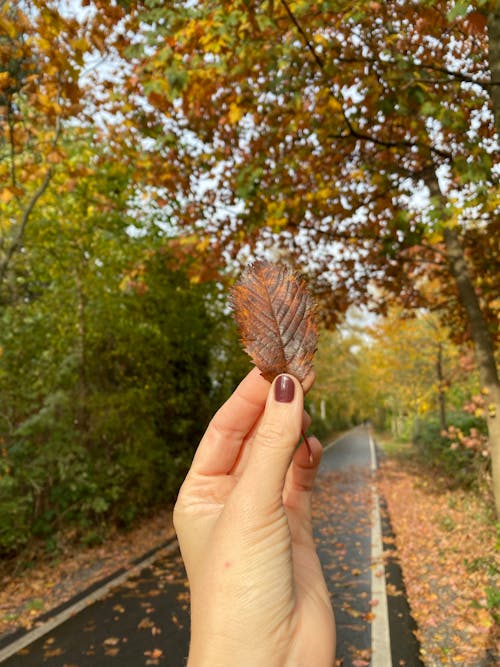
449 554
342 521
27 593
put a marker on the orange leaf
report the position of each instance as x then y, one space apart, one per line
276 318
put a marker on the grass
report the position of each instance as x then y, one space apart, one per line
395 448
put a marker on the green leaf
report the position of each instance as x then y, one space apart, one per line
459 9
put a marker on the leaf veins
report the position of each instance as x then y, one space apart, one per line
276 318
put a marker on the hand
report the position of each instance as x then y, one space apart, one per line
243 519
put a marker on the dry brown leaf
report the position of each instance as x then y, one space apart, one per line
276 318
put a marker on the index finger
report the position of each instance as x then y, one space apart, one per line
220 446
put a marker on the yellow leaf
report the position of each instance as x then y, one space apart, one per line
435 238
235 113
6 195
7 27
4 79
203 244
80 44
484 619
324 193
334 105
188 240
319 38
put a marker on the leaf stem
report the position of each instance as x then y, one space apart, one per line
309 451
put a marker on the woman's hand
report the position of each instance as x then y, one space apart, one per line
243 519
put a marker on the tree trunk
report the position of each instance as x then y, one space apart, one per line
483 348
489 379
441 391
483 343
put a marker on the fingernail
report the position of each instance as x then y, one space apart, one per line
284 389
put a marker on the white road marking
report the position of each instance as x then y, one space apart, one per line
74 609
381 640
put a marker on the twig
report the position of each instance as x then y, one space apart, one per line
309 450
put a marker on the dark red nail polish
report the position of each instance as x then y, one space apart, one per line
284 389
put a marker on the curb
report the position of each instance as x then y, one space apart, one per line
19 639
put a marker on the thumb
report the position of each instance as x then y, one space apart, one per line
274 441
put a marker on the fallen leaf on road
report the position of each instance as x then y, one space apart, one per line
111 641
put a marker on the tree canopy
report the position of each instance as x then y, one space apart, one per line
358 138
352 134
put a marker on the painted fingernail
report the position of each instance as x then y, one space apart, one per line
284 389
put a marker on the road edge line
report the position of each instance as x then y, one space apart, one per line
58 619
339 437
381 639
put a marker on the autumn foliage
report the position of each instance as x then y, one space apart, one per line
359 139
276 319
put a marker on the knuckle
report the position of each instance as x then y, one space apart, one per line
276 434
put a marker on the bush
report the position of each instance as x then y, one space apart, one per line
467 466
103 429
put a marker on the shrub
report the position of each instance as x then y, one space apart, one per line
460 451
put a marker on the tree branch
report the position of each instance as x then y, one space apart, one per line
352 131
300 30
16 243
459 76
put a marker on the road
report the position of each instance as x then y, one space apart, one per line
145 619
355 545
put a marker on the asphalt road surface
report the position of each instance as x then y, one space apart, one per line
355 545
145 620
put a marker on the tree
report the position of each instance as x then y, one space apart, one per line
410 364
361 136
105 343
341 397
105 352
358 136
44 50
